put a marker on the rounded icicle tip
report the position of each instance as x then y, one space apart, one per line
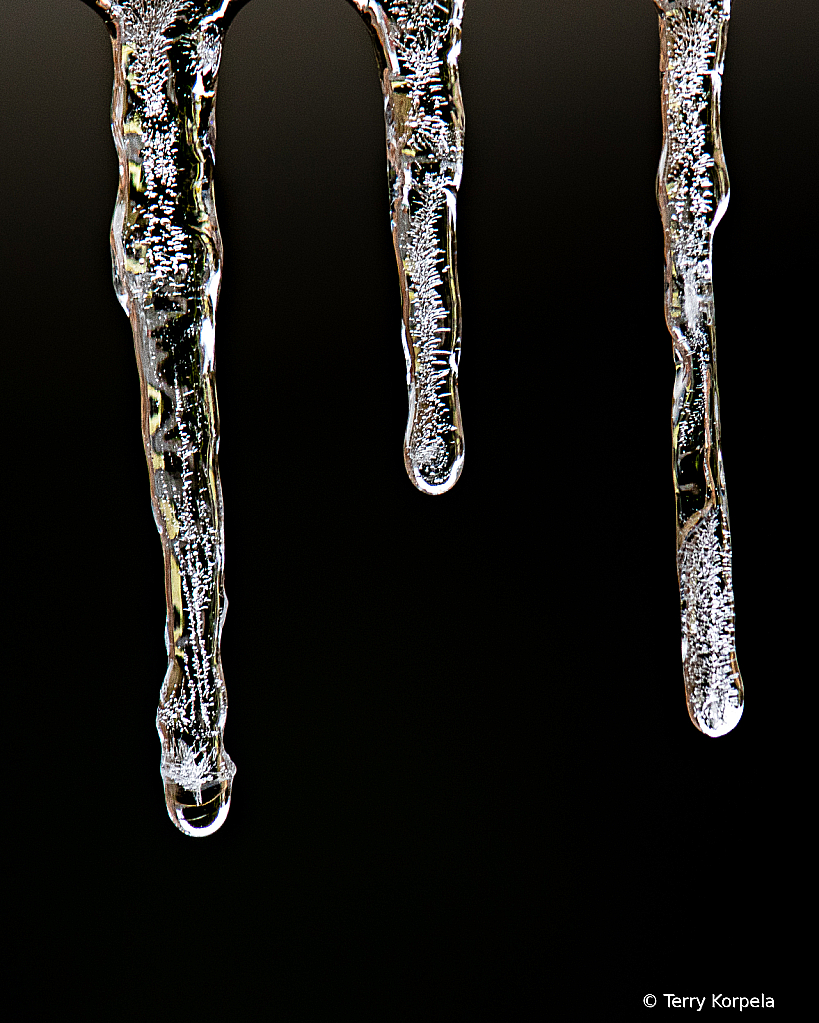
434 482
716 719
198 817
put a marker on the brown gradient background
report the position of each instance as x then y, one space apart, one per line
458 720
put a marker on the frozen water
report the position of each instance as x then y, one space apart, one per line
417 45
167 264
167 256
692 191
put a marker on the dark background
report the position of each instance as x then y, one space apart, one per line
458 721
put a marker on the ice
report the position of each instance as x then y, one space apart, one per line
692 191
417 46
167 256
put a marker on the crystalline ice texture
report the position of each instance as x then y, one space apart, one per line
692 191
167 256
417 46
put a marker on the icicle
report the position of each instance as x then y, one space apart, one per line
417 45
167 256
692 191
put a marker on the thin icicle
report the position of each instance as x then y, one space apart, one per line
692 191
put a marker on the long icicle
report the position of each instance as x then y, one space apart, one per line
692 192
417 45
167 255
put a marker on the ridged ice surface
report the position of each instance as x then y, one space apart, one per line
692 190
417 45
167 256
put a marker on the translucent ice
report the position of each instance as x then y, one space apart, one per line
167 255
692 191
417 45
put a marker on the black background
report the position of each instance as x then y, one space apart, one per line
459 721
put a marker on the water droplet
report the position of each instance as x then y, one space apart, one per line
202 816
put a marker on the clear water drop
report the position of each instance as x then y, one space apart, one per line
198 814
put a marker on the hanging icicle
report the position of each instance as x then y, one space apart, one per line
167 256
692 192
417 46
